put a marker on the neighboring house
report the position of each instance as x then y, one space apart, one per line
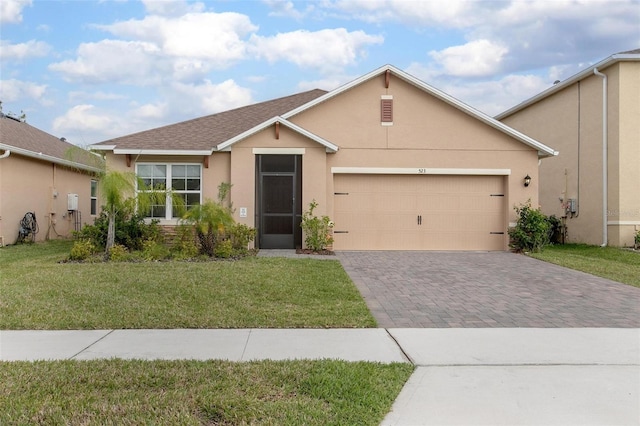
569 116
396 163
46 176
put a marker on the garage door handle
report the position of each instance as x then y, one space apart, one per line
419 220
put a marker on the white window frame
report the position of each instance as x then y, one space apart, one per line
169 176
93 196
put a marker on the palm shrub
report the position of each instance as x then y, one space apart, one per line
532 230
317 230
210 220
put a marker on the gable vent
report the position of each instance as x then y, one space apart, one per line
386 110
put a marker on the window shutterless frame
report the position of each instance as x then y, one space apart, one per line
177 179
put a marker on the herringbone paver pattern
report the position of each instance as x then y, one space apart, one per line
495 289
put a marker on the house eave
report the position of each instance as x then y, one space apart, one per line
167 152
605 63
50 158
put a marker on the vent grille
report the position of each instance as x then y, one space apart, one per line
386 110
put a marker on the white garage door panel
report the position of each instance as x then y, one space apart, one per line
424 212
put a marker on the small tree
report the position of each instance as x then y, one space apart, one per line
317 230
118 190
531 232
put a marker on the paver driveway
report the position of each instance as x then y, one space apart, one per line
480 289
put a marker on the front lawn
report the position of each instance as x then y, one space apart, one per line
198 392
608 262
37 292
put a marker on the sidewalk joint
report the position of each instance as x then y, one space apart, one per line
92 343
405 354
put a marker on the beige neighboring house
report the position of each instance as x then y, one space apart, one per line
38 175
569 116
396 163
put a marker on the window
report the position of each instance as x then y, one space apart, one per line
182 180
94 197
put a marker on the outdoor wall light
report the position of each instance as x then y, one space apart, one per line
527 180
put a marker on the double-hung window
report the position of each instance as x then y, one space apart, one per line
94 197
176 180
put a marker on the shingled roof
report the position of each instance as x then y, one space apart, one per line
205 133
23 139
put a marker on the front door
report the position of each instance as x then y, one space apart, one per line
279 201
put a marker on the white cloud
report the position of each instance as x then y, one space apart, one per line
113 61
171 8
216 37
20 51
11 10
286 8
489 96
83 118
208 98
327 84
325 50
474 59
16 90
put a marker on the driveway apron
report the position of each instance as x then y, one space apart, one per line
417 289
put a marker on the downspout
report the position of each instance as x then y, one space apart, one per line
6 154
605 183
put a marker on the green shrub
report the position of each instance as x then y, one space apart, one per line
131 230
184 244
555 230
82 250
637 240
153 250
241 235
224 249
118 253
317 230
531 232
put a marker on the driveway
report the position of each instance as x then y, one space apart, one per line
479 289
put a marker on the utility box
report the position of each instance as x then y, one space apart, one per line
72 202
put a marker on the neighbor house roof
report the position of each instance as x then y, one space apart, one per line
18 137
200 136
630 55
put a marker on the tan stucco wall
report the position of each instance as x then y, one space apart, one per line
426 133
29 185
571 122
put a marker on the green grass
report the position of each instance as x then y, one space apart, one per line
198 392
38 292
608 262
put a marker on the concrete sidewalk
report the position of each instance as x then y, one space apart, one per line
497 376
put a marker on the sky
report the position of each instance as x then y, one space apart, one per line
90 71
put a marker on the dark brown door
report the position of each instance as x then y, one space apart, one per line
279 201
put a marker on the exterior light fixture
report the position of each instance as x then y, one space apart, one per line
527 180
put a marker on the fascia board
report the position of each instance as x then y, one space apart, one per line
52 159
102 147
568 82
177 152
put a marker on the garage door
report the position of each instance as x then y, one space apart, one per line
419 212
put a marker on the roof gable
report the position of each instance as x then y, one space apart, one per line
21 138
276 121
390 70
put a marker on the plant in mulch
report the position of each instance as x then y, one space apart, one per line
317 230
532 230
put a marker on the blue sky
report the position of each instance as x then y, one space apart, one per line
94 70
